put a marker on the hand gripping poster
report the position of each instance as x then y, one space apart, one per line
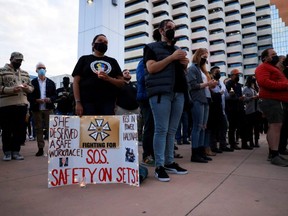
92 150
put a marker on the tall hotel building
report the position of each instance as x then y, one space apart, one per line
234 31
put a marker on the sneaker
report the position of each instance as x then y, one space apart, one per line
161 174
279 161
175 169
7 156
148 161
31 138
17 156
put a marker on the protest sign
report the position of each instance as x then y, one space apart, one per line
92 150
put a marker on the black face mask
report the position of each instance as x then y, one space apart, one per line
170 34
253 80
274 60
100 47
203 61
236 79
217 76
16 65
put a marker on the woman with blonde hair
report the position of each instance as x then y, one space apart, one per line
199 82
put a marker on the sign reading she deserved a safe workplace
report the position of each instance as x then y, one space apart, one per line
92 150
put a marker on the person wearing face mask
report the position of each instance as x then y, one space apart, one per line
252 113
235 111
64 98
14 86
199 84
165 65
273 96
42 104
97 79
217 114
126 100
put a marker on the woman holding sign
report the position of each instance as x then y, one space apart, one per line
96 79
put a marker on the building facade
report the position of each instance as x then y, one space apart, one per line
279 21
234 31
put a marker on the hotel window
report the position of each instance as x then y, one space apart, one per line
180 16
252 55
179 5
249 35
199 40
248 25
220 52
230 13
136 36
233 44
160 3
216 31
247 15
238 64
134 3
249 66
234 54
128 49
263 27
136 13
199 29
195 19
215 42
160 13
136 24
196 8
251 4
231 3
264 7
219 63
249 45
218 20
232 23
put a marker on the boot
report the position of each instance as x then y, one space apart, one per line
256 145
245 146
202 153
208 151
195 157
251 144
40 152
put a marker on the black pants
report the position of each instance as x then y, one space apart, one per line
13 127
148 134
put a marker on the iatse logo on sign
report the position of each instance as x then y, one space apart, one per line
100 132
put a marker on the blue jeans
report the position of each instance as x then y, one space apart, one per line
167 111
183 127
200 113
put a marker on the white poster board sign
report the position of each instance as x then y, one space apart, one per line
92 150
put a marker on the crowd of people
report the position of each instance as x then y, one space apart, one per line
177 104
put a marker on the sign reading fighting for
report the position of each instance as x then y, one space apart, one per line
92 150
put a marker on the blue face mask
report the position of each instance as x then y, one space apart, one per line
42 72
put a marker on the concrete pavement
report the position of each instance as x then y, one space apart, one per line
234 184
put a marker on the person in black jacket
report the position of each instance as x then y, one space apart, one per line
64 98
42 104
126 100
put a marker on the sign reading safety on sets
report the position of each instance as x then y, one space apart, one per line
92 150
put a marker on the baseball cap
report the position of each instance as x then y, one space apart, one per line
235 72
16 55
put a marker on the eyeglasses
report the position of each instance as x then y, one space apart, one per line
41 68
